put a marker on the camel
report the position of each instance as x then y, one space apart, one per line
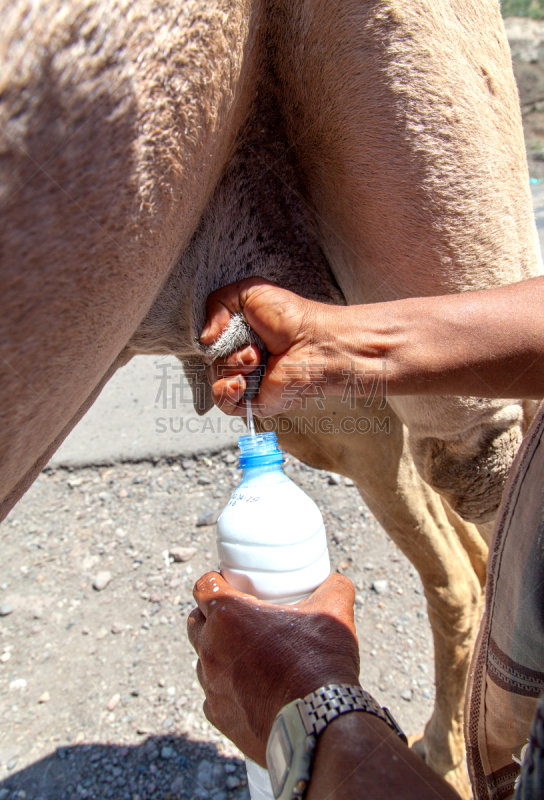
353 152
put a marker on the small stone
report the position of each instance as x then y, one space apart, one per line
230 458
101 633
113 702
359 600
218 775
232 782
349 482
161 682
182 701
230 768
180 554
5 657
12 763
45 697
343 564
117 627
176 787
17 685
5 609
380 587
101 580
85 631
204 774
73 482
208 517
406 694
167 752
203 480
334 479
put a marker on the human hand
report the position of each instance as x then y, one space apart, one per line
297 333
254 657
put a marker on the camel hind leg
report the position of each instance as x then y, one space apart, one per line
448 553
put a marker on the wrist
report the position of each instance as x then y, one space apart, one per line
300 725
359 756
359 348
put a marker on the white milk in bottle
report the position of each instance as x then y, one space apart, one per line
271 543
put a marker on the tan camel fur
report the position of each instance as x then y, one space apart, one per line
351 151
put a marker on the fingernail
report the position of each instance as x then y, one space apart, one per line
237 383
247 356
206 331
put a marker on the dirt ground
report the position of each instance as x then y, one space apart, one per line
98 692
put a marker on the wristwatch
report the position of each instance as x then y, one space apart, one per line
293 739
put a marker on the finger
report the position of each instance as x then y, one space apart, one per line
248 358
212 588
227 393
195 625
200 674
208 713
241 362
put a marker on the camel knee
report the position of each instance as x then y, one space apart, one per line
470 475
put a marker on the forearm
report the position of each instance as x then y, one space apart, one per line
482 344
358 756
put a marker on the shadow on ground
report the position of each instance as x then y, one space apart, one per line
161 768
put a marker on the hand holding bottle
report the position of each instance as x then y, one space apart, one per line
254 657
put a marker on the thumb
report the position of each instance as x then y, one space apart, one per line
275 314
224 302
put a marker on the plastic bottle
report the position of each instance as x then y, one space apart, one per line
271 542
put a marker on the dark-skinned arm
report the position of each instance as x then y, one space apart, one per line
359 756
481 344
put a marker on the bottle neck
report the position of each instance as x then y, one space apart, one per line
250 473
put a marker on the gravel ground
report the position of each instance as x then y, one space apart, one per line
98 691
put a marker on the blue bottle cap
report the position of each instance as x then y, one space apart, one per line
259 450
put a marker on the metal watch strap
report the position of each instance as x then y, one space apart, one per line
319 708
293 739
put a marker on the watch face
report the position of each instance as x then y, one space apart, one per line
279 755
